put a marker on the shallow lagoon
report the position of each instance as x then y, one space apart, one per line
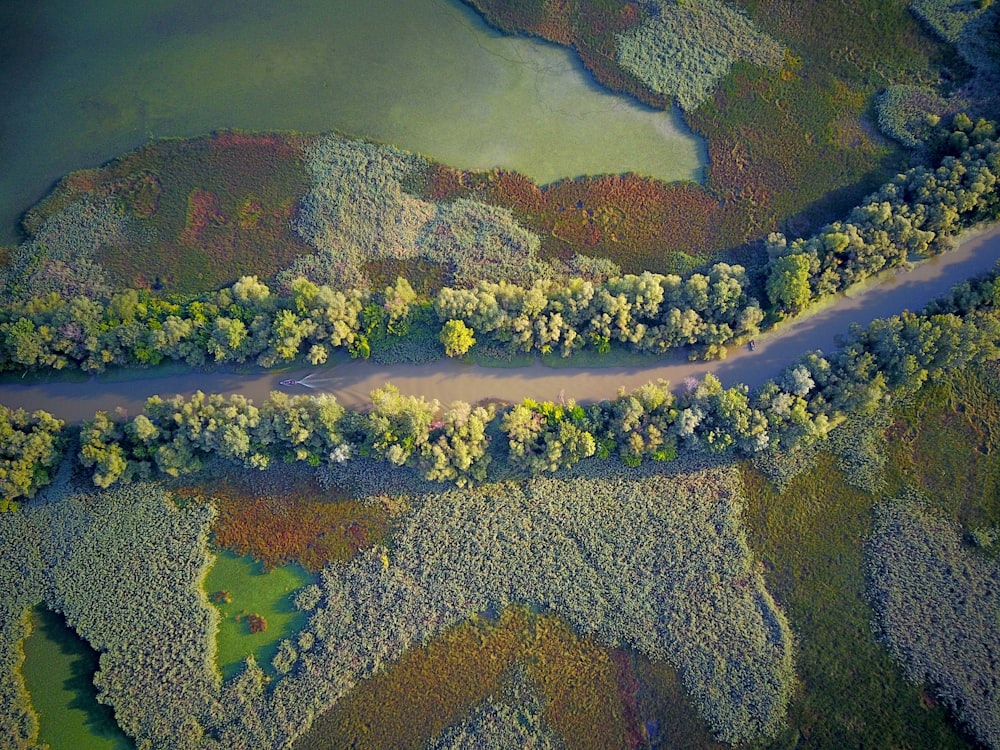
58 672
84 82
253 590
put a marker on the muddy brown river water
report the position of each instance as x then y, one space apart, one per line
449 380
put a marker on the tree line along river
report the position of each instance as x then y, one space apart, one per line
450 380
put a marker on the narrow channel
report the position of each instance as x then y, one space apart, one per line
450 380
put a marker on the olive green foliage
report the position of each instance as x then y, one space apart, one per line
649 312
684 49
937 607
125 567
359 212
908 113
30 449
546 436
655 562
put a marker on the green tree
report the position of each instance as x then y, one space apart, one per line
457 338
30 447
788 282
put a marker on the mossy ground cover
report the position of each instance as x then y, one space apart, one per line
59 672
243 590
435 686
205 210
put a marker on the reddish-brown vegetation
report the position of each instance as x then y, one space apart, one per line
210 209
255 623
296 522
204 210
434 686
638 222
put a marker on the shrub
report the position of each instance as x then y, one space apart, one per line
936 609
655 562
906 113
125 567
684 49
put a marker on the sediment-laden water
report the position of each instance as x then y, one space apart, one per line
449 380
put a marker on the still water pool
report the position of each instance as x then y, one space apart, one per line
58 671
84 82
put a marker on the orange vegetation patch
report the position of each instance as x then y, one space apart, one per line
433 687
288 522
639 222
204 209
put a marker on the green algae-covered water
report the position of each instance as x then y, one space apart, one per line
252 590
59 672
84 82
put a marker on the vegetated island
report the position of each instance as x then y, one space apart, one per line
583 541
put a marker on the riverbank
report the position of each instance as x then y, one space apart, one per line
450 380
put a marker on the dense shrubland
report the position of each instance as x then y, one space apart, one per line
452 555
937 608
359 213
683 50
125 568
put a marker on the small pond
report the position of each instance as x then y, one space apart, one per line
240 587
84 82
59 672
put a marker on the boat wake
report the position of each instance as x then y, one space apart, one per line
306 382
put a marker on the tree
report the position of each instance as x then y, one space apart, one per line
788 282
457 338
101 441
29 448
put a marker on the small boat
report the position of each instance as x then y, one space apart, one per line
291 382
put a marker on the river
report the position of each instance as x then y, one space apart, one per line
449 380
84 82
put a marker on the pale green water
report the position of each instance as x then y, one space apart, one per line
59 672
254 591
85 81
